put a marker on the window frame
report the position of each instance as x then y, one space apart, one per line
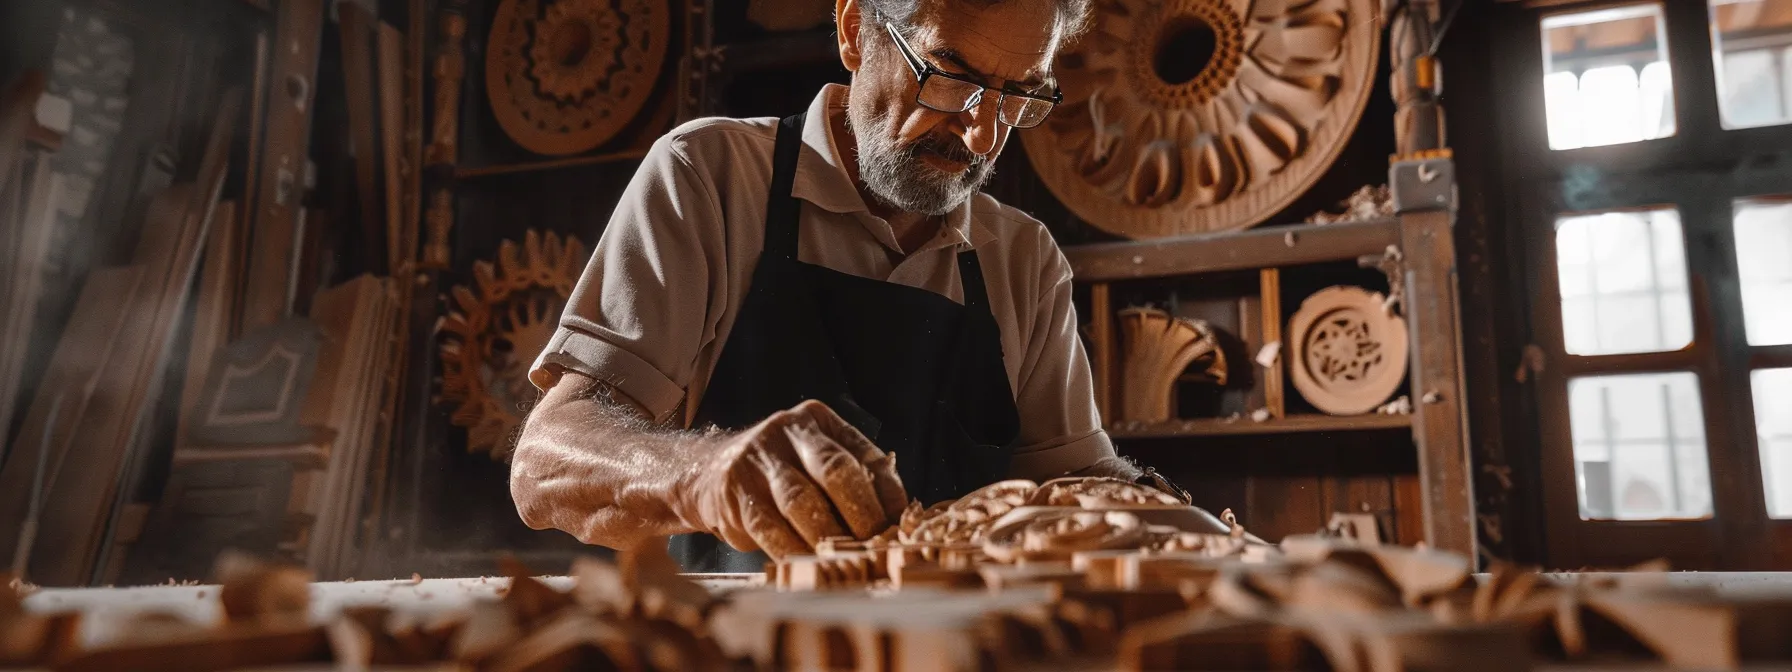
1700 170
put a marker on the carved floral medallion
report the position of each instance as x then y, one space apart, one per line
1196 116
565 76
494 330
1348 350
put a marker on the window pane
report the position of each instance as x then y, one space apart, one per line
1764 262
1639 447
1605 77
1623 282
1773 422
1748 40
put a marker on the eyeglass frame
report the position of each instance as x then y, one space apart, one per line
923 69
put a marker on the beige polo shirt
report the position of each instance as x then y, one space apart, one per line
668 276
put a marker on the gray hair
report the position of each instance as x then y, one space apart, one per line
1070 17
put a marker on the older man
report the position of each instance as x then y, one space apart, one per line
817 296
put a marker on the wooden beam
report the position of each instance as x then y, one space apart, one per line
1439 423
1247 250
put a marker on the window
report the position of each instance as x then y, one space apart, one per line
1773 423
1605 77
1660 276
1751 41
1639 446
1764 269
1623 282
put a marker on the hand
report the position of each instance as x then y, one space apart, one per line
788 482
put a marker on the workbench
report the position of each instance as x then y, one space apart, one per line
107 610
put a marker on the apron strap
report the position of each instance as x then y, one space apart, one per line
781 207
970 278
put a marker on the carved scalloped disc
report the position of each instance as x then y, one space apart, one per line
565 76
1146 146
494 330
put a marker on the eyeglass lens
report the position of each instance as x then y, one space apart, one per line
951 95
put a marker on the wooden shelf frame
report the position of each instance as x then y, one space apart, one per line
1422 237
1292 424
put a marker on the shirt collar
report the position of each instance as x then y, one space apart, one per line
821 176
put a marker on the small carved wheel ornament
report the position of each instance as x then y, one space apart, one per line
1195 116
1348 352
494 331
565 76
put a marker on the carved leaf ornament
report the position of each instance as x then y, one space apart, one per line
1195 116
494 330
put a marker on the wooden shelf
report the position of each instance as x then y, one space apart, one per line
1266 247
1292 424
551 164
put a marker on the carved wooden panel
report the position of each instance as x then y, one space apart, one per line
1192 116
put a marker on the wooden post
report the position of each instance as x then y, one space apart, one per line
1270 291
1417 81
444 145
1102 336
1424 198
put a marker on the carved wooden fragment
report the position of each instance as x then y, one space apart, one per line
1191 116
1158 349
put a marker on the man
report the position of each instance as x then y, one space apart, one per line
813 292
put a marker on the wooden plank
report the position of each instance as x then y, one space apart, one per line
1265 247
1409 510
392 114
1101 338
1292 424
80 510
73 376
1439 426
551 164
356 29
279 195
18 115
27 239
246 220
1270 297
211 317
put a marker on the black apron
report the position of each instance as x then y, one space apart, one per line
917 373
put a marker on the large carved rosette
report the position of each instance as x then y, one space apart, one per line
565 76
1196 116
495 329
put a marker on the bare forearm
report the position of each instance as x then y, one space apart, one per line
594 466
1112 467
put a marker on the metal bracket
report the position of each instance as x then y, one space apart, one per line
1423 184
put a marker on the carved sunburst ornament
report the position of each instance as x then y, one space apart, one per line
565 76
495 329
1195 116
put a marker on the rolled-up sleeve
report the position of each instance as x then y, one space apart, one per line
637 318
1060 428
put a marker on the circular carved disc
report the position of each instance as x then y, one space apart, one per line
564 76
1196 116
1347 353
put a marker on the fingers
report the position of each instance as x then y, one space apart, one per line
761 525
882 466
889 487
842 477
798 498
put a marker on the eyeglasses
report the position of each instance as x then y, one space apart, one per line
945 92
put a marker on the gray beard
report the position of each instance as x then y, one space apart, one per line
896 175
